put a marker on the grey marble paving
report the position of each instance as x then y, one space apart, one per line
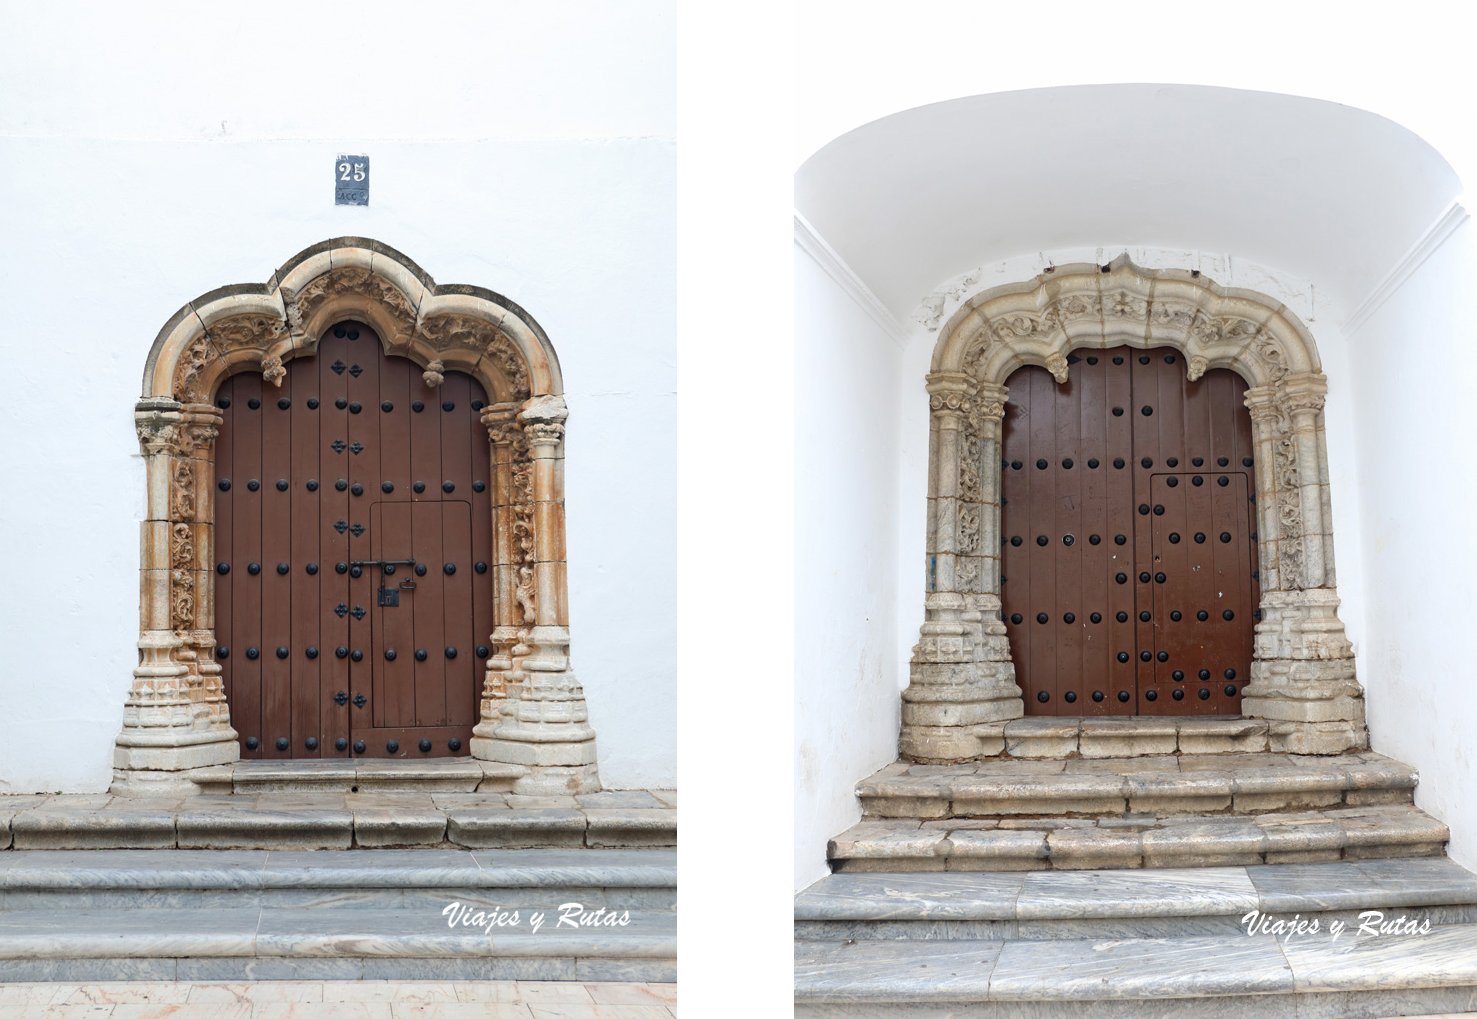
1444 957
1165 892
977 896
1169 967
894 971
126 933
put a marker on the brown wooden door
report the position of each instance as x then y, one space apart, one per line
1128 569
353 537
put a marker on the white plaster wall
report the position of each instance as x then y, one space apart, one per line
140 168
1417 422
846 524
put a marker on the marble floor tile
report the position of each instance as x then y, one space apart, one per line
633 994
413 992
894 970
599 1011
212 1010
339 1010
549 992
1445 956
989 896
461 1010
126 993
1191 891
272 990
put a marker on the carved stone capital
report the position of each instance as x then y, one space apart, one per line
1056 363
1306 392
158 424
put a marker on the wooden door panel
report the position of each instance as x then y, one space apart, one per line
1098 475
352 461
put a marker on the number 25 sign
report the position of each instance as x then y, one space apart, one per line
351 180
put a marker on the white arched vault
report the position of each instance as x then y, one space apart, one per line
962 686
533 714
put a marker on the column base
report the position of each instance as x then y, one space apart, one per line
157 769
952 712
544 730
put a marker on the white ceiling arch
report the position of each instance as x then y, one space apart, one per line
1325 192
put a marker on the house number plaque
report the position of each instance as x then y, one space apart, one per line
351 180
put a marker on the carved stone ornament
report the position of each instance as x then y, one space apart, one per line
273 372
435 374
463 332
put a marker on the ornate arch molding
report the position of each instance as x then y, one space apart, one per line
962 684
534 725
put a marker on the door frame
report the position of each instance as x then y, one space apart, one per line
533 713
962 687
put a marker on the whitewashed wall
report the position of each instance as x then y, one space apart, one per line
846 524
143 162
1417 424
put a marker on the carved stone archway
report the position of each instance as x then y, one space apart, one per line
962 686
533 711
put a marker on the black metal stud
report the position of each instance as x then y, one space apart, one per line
1198 461
1070 696
1016 617
420 569
1042 617
1230 689
448 406
1159 577
284 403
1204 673
282 652
1147 411
1144 577
1200 537
420 654
1015 465
1041 465
355 407
479 486
1246 461
1143 509
341 744
223 403
252 743
1221 461
311 742
1173 482
387 487
1228 615
390 654
312 485
1205 693
224 651
483 651
1122 617
1120 539
1094 539
312 403
341 485
450 651
311 569
387 406
1042 539
1121 578
282 569
341 609
358 612
1163 656
311 652
1230 673
353 334
1123 696
449 569
1176 616
419 486
1145 616
356 655
359 746
1068 463
448 486
1091 360
1197 481
1146 656
1178 695
254 403
253 485
1159 510
1068 540
340 567
418 406
1122 656
1119 463
1173 461
1146 462
1202 615
253 568
1043 696
1117 412
339 331
341 652
224 484
1092 464
283 743
1117 360
1015 541
1096 617
481 567
1178 675
341 403
478 405
1174 537
1223 481
1151 695
356 489
453 745
425 746
223 568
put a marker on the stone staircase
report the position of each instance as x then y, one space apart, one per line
293 870
1111 868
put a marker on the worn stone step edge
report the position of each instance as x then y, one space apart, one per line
338 828
1088 894
187 869
1129 968
1188 840
455 775
254 968
1057 737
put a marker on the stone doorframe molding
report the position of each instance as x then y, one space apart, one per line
533 712
962 686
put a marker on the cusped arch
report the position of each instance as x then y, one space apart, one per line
1038 322
265 326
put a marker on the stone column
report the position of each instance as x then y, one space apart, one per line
1302 673
961 682
170 724
545 724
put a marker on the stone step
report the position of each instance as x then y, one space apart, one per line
443 774
1142 840
1135 736
1127 978
285 942
331 820
376 879
1164 784
1056 905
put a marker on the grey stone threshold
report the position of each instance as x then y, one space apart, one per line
446 774
1159 841
1198 783
1045 905
1067 736
256 969
1051 974
332 820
